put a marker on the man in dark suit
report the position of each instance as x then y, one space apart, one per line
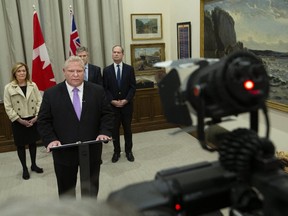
92 72
120 86
59 124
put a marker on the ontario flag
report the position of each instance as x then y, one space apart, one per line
42 73
74 37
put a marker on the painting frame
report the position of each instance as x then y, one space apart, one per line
146 26
271 104
142 61
184 40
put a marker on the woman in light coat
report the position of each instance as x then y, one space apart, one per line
22 101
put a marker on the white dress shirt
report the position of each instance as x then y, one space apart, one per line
80 92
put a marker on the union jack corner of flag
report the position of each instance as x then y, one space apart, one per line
74 37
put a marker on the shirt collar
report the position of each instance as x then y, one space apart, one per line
121 65
70 88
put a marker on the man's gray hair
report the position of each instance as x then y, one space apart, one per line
81 49
74 59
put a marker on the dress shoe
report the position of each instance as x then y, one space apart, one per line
25 174
130 157
37 169
115 157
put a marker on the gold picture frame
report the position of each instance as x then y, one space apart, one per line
144 56
270 103
146 26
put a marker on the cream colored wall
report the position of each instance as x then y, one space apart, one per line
185 11
147 6
189 11
172 12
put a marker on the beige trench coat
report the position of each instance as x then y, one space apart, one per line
19 106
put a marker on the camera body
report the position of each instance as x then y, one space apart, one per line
247 178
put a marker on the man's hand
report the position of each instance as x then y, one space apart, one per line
53 144
123 102
119 103
103 138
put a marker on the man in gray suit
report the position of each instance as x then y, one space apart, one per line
92 72
59 124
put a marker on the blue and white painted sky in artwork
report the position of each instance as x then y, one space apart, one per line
259 24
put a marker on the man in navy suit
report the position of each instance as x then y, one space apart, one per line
92 72
120 86
59 124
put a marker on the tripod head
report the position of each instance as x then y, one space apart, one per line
212 89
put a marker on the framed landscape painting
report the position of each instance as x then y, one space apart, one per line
144 56
251 25
146 26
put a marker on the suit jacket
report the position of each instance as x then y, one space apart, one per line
94 74
57 120
128 84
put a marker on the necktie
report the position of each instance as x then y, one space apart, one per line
118 76
86 73
76 102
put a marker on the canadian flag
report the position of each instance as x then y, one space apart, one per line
42 73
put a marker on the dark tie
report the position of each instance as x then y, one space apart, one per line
76 102
118 76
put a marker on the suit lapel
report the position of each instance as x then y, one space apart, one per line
114 75
84 99
124 74
68 105
90 73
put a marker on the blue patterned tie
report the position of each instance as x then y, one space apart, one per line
86 73
118 76
76 102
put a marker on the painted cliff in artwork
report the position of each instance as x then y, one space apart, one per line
256 26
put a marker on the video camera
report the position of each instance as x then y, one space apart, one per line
247 179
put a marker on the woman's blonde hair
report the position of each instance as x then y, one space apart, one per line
16 67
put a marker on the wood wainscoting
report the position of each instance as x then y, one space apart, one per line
6 137
148 115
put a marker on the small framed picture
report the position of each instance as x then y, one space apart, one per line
144 56
146 26
184 40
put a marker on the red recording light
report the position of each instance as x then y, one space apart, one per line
248 85
196 90
178 207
